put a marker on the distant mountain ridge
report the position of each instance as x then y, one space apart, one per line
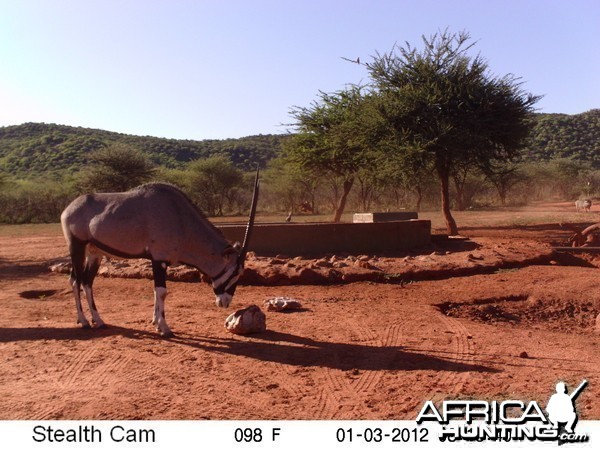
33 148
574 137
38 148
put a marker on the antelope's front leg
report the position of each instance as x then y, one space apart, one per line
159 270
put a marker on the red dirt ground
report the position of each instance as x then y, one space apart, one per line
496 317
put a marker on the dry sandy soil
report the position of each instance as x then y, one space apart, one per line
499 316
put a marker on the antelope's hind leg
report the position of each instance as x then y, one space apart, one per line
91 269
77 251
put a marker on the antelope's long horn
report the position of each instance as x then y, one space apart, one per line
250 225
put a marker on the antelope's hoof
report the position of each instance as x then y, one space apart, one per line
167 335
85 326
101 326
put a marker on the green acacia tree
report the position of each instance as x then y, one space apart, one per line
336 137
213 183
116 168
444 108
505 177
291 185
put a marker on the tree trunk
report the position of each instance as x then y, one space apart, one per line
419 196
502 194
459 186
339 210
451 227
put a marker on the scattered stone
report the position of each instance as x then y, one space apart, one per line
277 261
323 263
471 256
120 264
363 264
279 304
63 267
523 355
307 275
554 263
246 321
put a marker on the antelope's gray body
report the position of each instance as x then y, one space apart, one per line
154 221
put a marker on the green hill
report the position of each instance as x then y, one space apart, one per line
34 148
574 137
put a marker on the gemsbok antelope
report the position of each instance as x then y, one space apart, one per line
158 222
583 205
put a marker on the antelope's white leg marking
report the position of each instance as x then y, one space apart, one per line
160 294
155 314
77 293
90 298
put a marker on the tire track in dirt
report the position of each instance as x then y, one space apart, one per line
47 411
449 383
367 378
107 372
303 386
345 392
68 378
70 371
252 379
134 372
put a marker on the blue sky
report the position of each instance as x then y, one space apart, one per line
213 69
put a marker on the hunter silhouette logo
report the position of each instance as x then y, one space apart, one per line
508 420
561 409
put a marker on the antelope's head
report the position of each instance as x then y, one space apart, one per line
225 283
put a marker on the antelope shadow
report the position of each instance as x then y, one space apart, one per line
283 348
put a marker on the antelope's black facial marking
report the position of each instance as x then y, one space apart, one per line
226 282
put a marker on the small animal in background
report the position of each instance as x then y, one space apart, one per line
583 205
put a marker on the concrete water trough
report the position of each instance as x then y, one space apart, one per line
374 217
298 239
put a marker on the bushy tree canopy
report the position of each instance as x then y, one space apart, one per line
116 168
213 182
445 109
336 136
